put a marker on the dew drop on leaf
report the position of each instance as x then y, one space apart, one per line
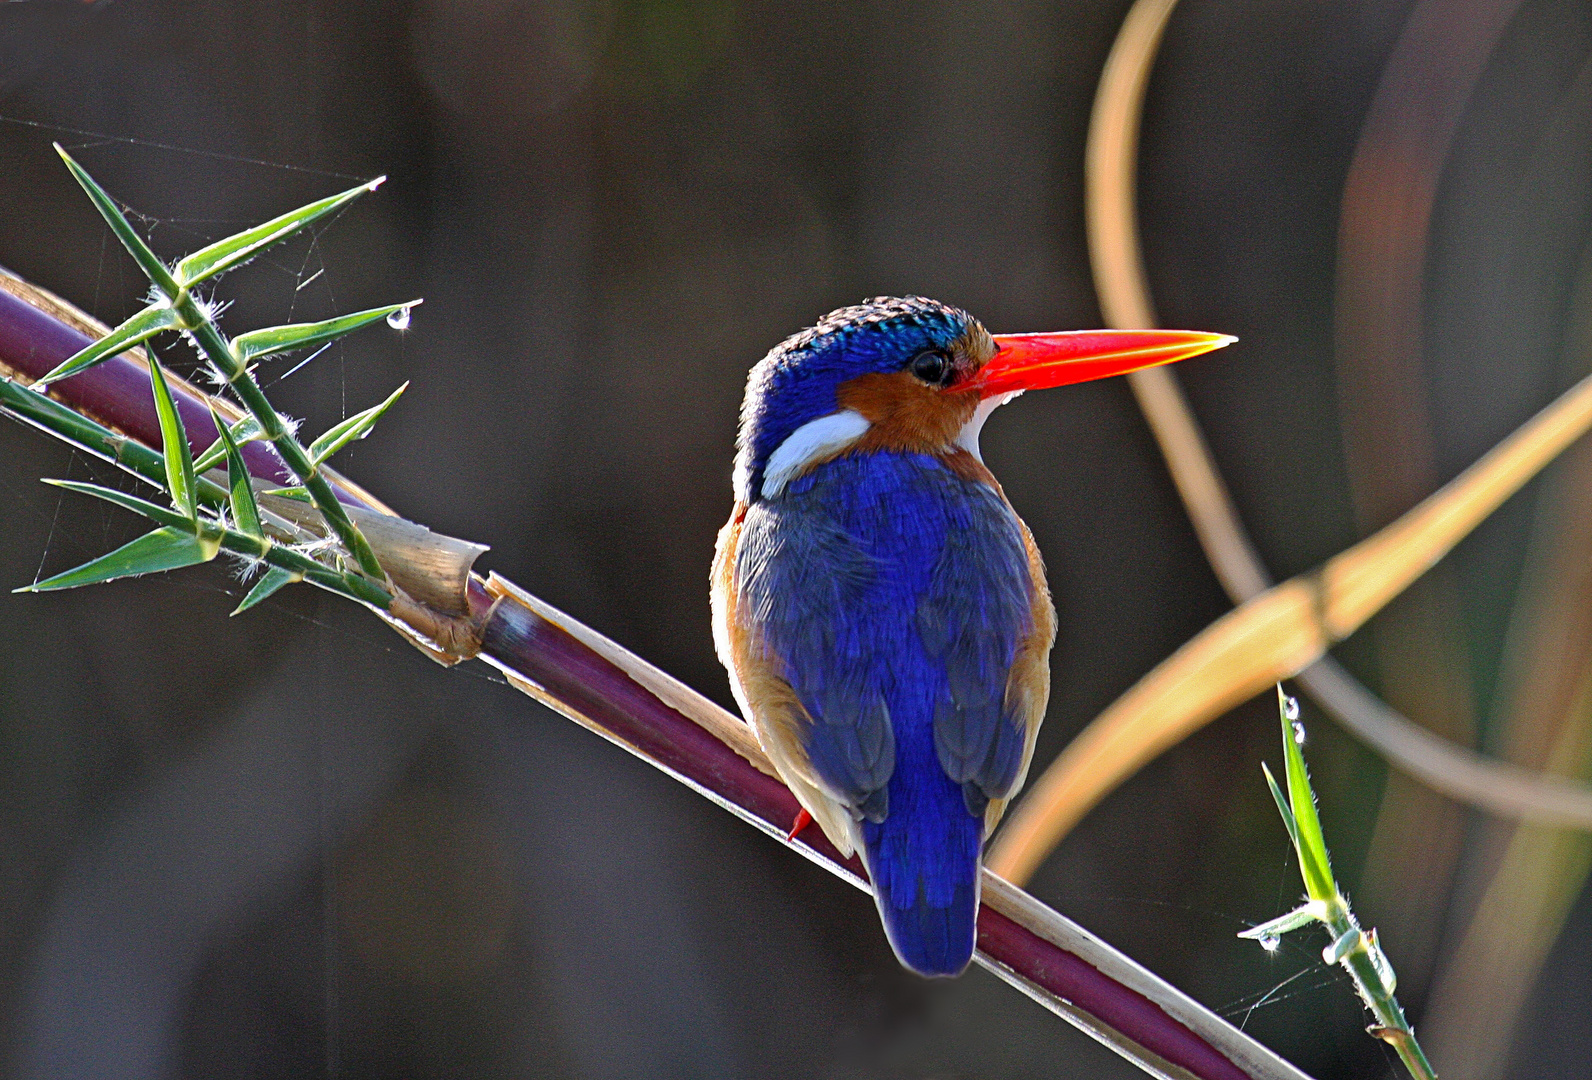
1299 733
1270 942
399 320
1290 705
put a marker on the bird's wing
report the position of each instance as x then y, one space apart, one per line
762 689
1028 684
792 584
986 619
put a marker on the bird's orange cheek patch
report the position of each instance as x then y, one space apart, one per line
904 414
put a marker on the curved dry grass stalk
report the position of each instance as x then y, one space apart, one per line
1211 676
1275 636
1485 983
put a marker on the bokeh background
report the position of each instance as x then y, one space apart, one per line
287 846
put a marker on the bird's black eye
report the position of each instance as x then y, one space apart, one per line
933 367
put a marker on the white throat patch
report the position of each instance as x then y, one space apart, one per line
967 438
813 441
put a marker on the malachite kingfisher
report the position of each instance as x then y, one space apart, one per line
881 607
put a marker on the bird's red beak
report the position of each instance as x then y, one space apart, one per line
1040 361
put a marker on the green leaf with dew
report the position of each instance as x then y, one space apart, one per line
355 427
135 331
173 443
243 431
240 485
163 549
223 255
1301 916
1315 864
147 260
274 578
275 339
297 494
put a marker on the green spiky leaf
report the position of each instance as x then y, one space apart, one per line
275 339
355 427
163 549
93 438
240 485
135 331
162 514
147 260
243 431
275 577
223 255
173 442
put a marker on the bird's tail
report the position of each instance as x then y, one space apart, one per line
924 863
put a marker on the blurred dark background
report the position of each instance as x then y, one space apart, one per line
285 845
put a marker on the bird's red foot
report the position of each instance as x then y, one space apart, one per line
803 820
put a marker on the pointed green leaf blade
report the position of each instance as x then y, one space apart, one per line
275 577
243 431
275 339
355 427
135 331
128 502
297 494
147 260
174 443
1315 865
240 485
163 549
223 255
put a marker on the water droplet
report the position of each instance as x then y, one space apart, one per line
1270 942
1299 733
1290 705
399 320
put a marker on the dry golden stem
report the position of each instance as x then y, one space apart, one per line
1274 636
1456 771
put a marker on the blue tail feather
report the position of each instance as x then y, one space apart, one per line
924 862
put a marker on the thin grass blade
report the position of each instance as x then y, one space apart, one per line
163 549
129 502
275 577
355 427
275 339
147 260
246 430
1282 806
135 331
223 255
240 486
174 443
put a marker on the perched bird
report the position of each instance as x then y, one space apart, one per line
881 608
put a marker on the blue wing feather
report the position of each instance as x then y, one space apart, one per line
893 594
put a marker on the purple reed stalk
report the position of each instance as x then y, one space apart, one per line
1023 942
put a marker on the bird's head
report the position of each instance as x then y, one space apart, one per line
912 374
